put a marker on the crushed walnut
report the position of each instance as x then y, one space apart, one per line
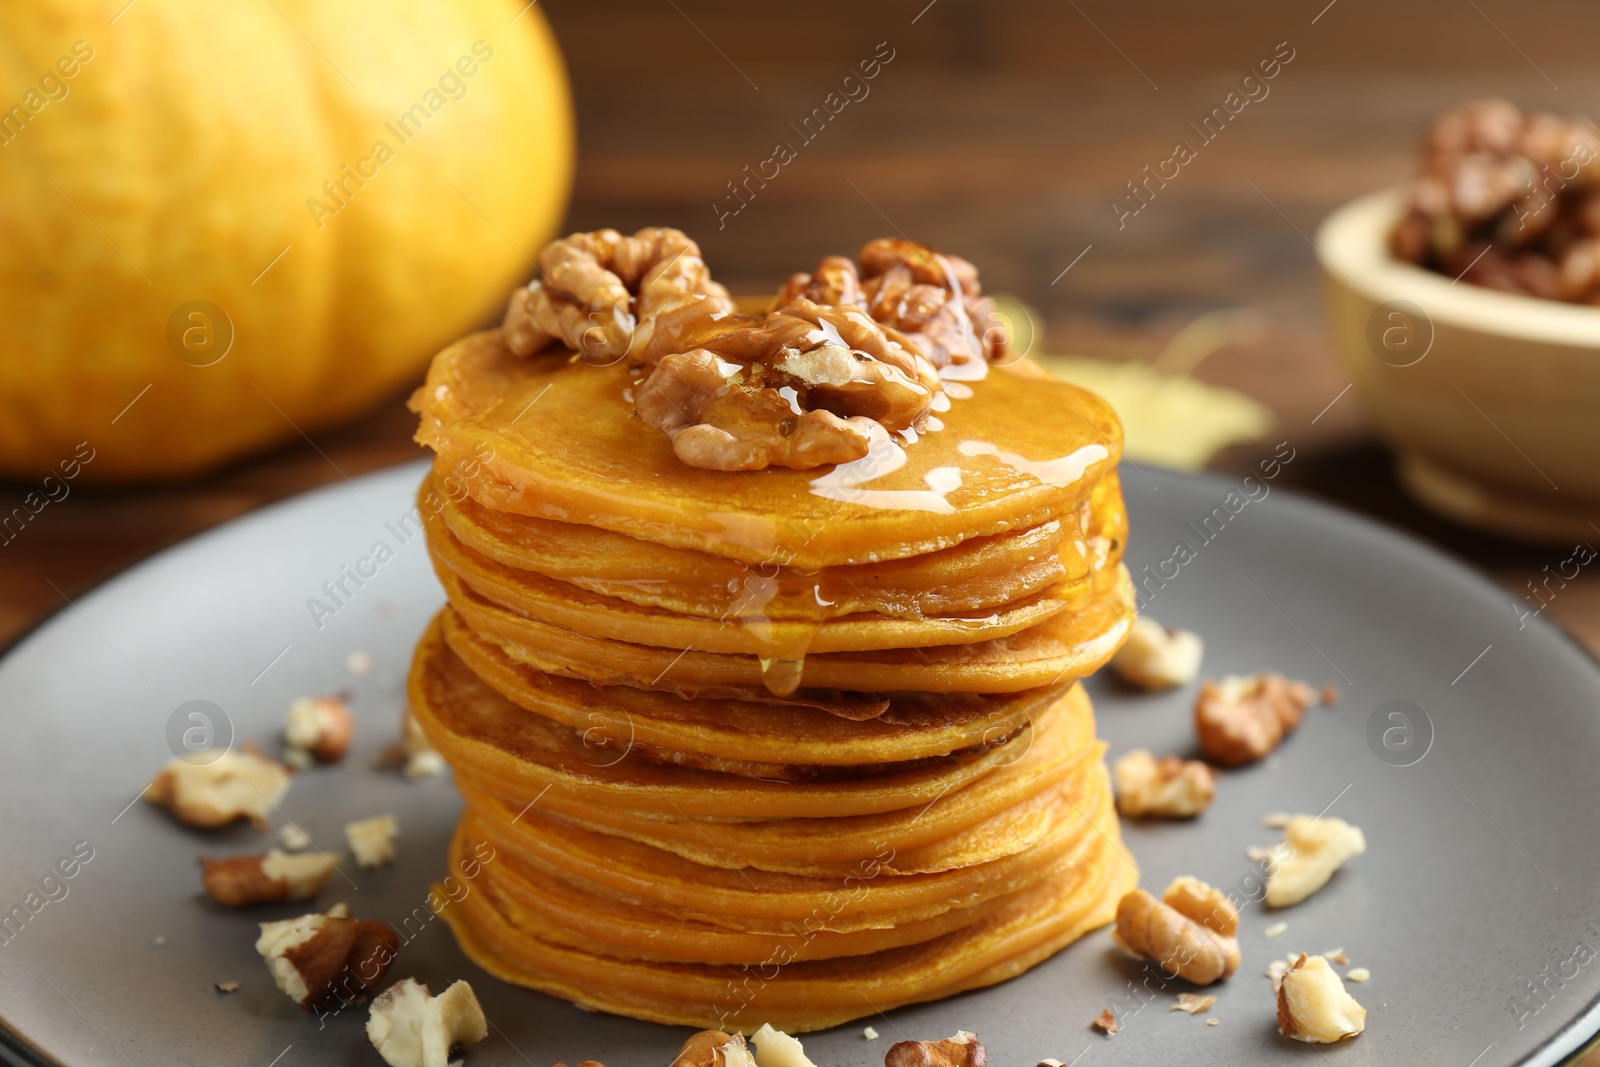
326 960
1105 1022
410 1028
372 840
774 1048
1168 788
1240 720
292 838
1509 200
1154 657
230 787
1192 931
961 1050
321 727
1313 1005
1311 850
270 878
1193 1003
414 754
714 1048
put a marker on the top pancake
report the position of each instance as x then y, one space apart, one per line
554 438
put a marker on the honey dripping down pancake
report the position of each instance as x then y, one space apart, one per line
758 668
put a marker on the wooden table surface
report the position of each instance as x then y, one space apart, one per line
1001 131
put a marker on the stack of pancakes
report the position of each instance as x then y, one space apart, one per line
777 746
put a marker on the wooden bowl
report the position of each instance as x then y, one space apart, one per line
1491 400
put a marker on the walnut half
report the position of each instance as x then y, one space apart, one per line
1240 720
1192 931
595 287
800 387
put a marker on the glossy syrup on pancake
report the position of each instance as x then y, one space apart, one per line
977 573
564 446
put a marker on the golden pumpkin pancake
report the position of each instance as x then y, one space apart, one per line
1062 648
758 668
804 995
554 910
915 726
978 573
960 834
748 896
499 744
570 607
554 438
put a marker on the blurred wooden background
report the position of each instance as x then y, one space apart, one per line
1001 131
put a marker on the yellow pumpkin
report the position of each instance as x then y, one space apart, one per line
226 224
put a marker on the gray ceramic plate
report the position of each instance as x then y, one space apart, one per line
1476 907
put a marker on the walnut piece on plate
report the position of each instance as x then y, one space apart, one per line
372 840
1240 720
1168 788
1311 850
714 1048
410 1028
268 878
325 960
1192 931
208 790
1155 658
961 1050
321 727
1313 1005
414 754
774 1048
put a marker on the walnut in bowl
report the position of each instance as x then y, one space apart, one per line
1486 393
